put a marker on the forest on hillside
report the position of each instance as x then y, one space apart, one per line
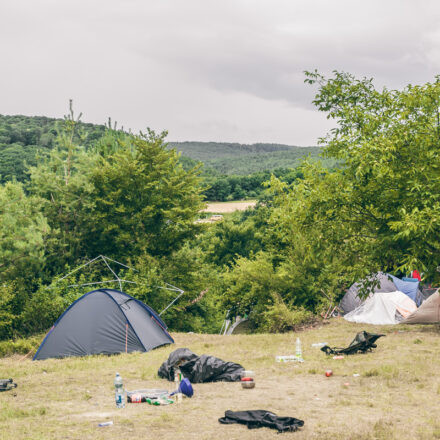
130 197
230 171
244 159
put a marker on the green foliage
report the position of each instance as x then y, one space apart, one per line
144 201
387 207
231 238
279 318
22 138
22 231
6 313
242 159
20 345
225 188
61 180
316 229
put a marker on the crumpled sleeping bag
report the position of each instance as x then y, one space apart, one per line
199 368
261 418
362 342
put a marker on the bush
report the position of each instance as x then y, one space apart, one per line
278 318
20 346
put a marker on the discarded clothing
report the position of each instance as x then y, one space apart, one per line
363 342
199 368
7 384
261 418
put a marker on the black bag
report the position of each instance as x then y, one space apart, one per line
7 384
199 368
261 418
362 342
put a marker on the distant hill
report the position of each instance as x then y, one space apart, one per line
243 159
21 137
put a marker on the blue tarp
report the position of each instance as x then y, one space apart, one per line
409 288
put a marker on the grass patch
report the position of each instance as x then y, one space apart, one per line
67 398
371 373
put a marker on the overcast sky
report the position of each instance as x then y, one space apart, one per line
207 70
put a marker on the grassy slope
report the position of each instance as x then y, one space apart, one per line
396 396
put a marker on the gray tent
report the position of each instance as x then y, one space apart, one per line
351 299
104 321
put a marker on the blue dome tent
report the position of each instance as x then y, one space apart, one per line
104 321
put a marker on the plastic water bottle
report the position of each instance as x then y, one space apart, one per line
119 392
177 380
298 352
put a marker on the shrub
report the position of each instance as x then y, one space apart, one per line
20 346
279 318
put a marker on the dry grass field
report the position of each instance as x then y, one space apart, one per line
396 396
228 207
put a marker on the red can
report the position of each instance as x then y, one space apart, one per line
328 373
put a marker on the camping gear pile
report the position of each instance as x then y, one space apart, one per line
392 301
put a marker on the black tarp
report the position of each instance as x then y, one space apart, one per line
362 342
261 418
199 369
104 321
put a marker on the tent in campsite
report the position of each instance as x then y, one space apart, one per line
385 283
427 313
383 308
104 321
351 299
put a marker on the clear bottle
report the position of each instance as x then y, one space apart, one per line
119 392
177 380
298 352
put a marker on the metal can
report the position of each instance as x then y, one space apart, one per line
328 373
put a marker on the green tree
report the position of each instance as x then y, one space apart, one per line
144 200
383 204
23 230
62 180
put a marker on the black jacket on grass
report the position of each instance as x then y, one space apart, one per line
261 418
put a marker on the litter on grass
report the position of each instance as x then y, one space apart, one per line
288 358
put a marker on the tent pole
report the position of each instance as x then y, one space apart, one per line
172 302
111 270
78 268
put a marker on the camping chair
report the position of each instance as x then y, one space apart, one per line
362 342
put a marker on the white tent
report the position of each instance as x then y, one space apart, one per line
383 308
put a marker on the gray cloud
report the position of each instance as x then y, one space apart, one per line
228 70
